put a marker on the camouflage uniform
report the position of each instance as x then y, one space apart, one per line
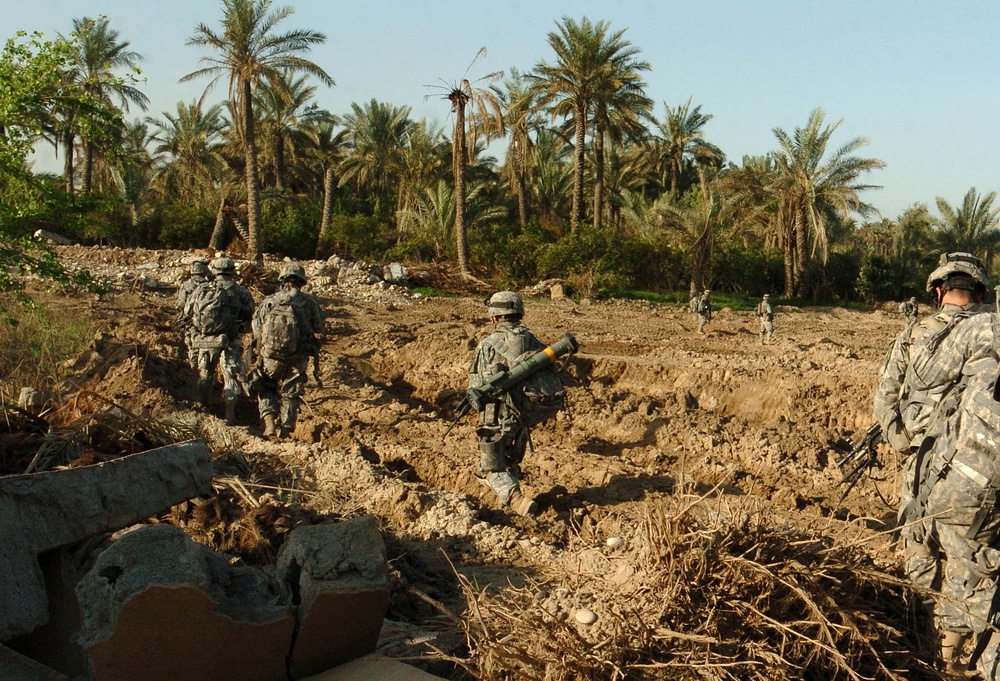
503 438
765 313
282 380
956 468
224 350
199 277
704 310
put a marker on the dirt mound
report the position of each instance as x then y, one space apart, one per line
711 458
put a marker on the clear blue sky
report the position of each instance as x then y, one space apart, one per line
919 79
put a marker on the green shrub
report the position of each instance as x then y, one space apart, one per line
185 226
357 237
34 342
290 230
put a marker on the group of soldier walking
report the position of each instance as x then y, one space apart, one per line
701 306
215 312
938 404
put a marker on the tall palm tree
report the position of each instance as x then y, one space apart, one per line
100 53
680 144
486 119
813 190
188 149
587 58
620 110
521 118
249 51
377 135
973 227
286 107
135 178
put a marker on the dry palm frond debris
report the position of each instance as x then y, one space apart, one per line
715 595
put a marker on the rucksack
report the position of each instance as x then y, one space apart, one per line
540 396
284 329
213 310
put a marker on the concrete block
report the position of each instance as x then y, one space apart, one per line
339 579
157 606
17 667
373 668
44 511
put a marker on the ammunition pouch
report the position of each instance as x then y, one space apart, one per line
210 342
985 527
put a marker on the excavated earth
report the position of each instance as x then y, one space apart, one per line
655 410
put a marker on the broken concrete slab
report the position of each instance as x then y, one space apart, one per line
43 511
374 668
158 606
340 582
17 667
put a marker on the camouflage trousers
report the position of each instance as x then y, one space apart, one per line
702 320
921 552
228 360
280 386
766 329
502 444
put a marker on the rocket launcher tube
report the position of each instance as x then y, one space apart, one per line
501 382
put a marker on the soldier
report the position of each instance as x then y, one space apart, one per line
220 313
955 495
503 437
907 396
286 330
765 313
199 276
910 311
693 304
704 310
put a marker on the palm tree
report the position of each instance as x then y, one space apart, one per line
680 144
812 191
286 107
974 227
248 52
377 135
620 109
99 54
587 60
486 119
188 148
520 118
135 177
327 151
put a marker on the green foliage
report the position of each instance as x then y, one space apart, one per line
186 225
357 237
878 278
35 341
748 270
291 230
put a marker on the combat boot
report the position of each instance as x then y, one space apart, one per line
230 412
521 504
269 429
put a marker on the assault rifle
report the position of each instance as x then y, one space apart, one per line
502 381
862 458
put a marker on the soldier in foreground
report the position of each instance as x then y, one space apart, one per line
219 314
907 397
199 276
503 436
704 310
765 313
286 329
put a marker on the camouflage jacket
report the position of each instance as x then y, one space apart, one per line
187 287
503 346
312 317
765 311
911 385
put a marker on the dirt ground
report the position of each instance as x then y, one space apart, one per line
656 412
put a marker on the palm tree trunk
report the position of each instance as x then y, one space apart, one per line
68 142
458 167
220 235
254 233
801 255
522 200
578 159
279 162
788 250
598 177
88 167
324 221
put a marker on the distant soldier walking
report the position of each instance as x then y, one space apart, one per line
693 304
219 314
199 276
910 311
704 310
765 313
286 329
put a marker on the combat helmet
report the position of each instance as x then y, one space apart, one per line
504 303
959 270
199 266
292 270
223 265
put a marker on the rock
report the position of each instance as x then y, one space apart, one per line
615 542
584 616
